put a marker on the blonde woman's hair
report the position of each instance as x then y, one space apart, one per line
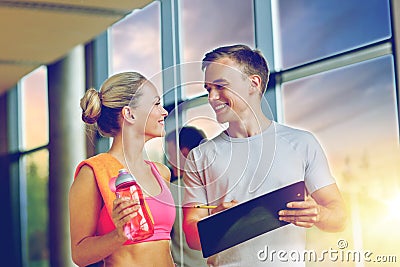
103 108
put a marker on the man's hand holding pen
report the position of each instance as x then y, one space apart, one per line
220 207
224 206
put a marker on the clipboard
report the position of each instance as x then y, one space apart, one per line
247 220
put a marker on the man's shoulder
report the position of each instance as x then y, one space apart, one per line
208 143
298 139
293 133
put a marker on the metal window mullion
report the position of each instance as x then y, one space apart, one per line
171 80
17 175
263 30
395 25
266 39
101 68
338 61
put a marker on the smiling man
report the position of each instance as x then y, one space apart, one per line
252 157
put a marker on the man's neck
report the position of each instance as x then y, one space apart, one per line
248 127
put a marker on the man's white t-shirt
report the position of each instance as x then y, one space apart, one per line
224 169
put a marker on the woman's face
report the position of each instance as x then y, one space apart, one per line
149 113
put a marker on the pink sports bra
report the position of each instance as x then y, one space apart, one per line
162 208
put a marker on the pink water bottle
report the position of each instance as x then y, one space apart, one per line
141 226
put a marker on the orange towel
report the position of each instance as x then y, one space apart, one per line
105 167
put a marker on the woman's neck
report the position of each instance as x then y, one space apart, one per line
128 150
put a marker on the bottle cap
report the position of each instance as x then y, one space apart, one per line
123 177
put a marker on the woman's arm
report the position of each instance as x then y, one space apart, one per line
85 203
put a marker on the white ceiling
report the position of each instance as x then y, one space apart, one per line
35 33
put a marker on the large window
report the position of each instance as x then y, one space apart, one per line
333 75
352 111
349 103
34 168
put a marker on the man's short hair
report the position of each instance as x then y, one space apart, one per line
250 61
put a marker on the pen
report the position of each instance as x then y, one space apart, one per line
204 207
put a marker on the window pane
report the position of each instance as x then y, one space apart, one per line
37 175
136 42
207 24
311 29
352 111
35 120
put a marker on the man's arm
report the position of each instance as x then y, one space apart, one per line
324 209
190 218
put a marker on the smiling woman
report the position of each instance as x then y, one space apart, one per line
127 108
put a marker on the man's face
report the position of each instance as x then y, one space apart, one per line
227 89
